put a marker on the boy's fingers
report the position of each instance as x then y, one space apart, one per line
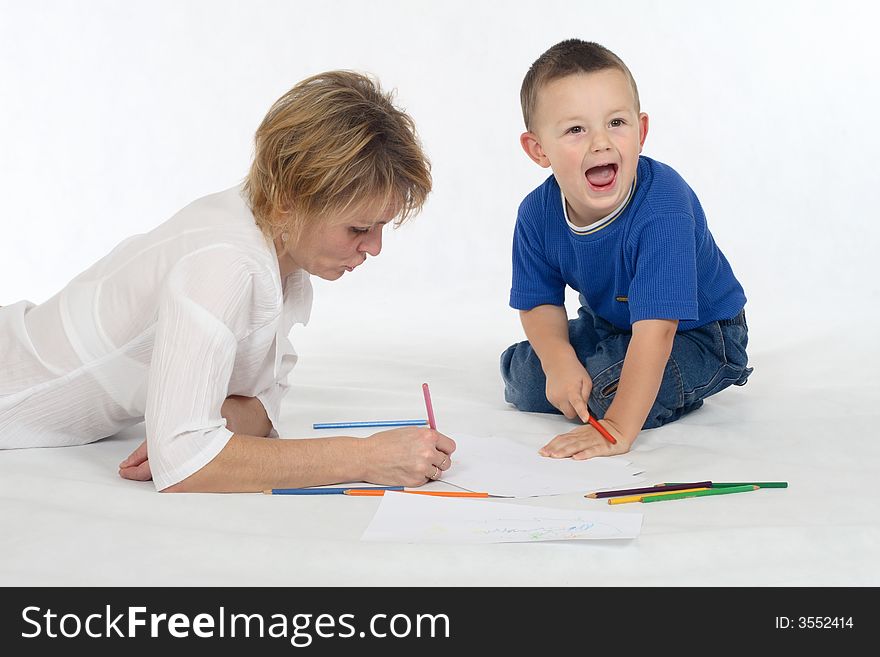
580 407
586 389
568 410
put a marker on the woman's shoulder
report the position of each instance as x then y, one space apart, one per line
219 213
218 226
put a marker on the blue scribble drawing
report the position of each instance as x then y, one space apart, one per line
542 529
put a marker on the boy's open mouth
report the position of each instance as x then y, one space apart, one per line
602 178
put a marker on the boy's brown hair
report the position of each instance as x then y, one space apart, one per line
567 58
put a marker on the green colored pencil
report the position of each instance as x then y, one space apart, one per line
759 484
728 484
699 493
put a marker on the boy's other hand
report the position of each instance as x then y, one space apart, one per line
585 442
568 389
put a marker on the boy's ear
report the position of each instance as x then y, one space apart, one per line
532 147
643 130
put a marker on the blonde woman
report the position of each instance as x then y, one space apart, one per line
185 327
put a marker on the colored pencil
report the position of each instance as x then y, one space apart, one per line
427 393
759 484
365 492
728 484
699 493
650 489
325 491
602 430
626 499
377 423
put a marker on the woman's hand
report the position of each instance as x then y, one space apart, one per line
136 465
411 456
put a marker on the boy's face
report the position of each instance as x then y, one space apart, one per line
586 127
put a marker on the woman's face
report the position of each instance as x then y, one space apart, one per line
339 245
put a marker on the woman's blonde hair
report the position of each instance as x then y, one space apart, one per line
332 143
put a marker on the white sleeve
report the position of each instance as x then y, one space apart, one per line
207 305
271 397
297 312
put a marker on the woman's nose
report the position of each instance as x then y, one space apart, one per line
372 242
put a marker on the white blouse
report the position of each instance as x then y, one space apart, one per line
161 330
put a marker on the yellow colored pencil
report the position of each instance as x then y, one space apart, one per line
638 498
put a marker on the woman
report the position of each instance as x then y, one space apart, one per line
185 327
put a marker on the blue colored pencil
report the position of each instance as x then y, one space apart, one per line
378 423
326 491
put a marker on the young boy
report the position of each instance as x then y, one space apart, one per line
661 324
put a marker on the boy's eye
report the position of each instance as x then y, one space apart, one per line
576 130
616 123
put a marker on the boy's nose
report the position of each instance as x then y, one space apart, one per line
600 142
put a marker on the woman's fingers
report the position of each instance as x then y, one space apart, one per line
140 472
445 461
137 457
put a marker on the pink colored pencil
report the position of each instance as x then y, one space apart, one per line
431 422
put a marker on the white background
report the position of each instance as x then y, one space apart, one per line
114 115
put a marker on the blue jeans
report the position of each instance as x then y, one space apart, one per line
704 361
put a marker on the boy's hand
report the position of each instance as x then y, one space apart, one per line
585 442
568 389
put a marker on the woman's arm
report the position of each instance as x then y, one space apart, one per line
402 457
251 463
246 415
242 414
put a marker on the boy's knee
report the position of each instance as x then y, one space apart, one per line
524 380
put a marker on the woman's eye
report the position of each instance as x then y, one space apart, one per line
355 229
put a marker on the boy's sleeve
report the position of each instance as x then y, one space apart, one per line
535 280
664 284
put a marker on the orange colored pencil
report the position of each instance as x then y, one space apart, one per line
366 492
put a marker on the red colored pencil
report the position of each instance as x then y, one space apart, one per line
602 430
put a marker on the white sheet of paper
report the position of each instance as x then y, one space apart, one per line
407 518
500 466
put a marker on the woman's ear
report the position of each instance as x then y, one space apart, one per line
532 147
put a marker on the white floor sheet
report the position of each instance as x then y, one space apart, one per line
808 416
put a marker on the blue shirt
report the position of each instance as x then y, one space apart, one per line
655 259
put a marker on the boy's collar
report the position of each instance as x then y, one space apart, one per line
604 221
